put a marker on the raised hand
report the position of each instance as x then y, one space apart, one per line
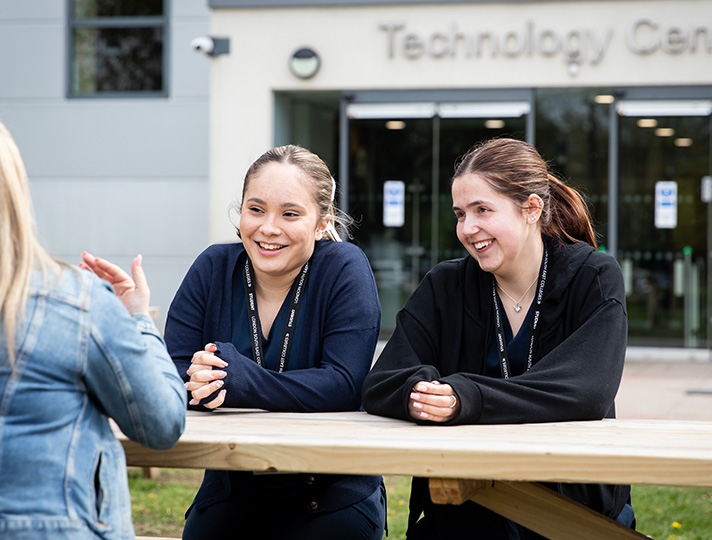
133 293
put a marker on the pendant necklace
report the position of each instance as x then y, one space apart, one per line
517 306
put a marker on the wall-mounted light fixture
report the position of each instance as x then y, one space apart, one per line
683 142
304 63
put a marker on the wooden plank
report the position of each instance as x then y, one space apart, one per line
151 472
455 490
607 451
533 506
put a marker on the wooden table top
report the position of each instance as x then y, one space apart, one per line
655 452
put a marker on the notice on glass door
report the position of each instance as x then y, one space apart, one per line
665 205
393 203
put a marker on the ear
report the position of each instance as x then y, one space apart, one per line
533 208
321 228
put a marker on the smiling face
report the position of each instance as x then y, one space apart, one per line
501 236
279 221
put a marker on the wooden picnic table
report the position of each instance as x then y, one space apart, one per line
497 466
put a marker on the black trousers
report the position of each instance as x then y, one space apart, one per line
240 517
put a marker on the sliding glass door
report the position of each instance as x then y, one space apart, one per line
664 240
400 163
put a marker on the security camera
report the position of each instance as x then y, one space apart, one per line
203 44
210 45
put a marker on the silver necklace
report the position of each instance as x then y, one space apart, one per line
517 306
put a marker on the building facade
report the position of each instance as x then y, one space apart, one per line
135 143
109 106
617 95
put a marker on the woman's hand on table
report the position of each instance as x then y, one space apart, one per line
204 380
433 401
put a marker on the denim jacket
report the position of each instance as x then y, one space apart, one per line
81 359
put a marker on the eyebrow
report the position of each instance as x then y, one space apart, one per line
285 204
470 205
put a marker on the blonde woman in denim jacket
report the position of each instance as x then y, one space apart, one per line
71 357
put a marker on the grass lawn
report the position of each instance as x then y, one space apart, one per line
663 513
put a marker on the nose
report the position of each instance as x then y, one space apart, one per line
470 225
270 225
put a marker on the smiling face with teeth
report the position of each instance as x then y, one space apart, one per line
497 232
279 222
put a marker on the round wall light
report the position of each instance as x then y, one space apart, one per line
304 63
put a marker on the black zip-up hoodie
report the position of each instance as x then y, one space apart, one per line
444 332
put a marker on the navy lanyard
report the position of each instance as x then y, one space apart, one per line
253 317
501 341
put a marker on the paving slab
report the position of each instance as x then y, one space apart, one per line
666 390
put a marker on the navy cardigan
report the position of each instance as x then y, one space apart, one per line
338 327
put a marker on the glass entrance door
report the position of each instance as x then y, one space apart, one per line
400 162
664 189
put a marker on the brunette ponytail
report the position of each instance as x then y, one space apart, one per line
570 219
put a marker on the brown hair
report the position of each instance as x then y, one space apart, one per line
316 172
515 169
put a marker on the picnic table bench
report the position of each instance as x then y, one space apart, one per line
497 466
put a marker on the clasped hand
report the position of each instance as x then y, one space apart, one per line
204 380
433 401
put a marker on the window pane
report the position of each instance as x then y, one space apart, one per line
114 8
118 60
667 262
572 134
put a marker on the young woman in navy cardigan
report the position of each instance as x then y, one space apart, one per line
287 320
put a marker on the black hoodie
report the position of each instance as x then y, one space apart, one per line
444 332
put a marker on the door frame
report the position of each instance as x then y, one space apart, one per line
435 104
427 97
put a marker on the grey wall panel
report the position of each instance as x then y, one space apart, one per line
165 220
190 70
110 138
28 10
32 61
189 9
113 176
122 216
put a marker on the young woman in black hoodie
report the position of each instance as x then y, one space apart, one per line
533 282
